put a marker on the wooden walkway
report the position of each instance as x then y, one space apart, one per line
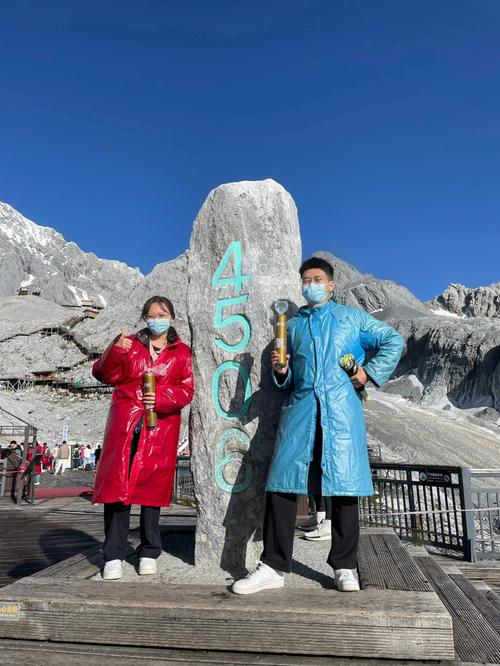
37 537
411 608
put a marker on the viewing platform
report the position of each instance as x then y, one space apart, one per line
410 610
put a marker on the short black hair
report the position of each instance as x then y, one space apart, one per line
317 262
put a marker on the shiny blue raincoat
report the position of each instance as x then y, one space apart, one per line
317 387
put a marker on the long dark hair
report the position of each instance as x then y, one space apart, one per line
166 304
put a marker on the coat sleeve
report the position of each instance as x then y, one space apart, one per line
377 336
108 369
173 397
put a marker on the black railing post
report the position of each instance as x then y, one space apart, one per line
411 501
468 524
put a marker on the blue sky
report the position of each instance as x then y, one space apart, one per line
381 118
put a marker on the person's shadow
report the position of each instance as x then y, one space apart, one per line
56 545
244 514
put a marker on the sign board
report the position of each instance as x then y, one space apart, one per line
435 477
9 611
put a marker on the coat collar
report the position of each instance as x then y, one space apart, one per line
144 336
328 307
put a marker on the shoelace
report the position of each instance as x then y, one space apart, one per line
258 567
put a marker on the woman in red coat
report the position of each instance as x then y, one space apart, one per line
137 463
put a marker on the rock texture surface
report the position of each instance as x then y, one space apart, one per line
456 360
234 413
413 434
383 299
407 386
166 279
460 300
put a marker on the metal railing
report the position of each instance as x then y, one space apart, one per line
3 476
425 504
183 491
485 506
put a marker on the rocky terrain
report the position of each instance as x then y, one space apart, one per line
446 388
464 302
36 257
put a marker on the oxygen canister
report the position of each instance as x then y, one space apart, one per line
149 387
280 340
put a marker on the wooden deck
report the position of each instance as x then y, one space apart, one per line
411 609
389 619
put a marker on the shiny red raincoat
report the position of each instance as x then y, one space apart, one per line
152 473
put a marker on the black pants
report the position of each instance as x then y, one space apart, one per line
279 529
117 522
116 526
281 513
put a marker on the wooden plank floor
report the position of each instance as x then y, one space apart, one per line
394 624
487 571
385 564
475 638
66 537
39 536
31 541
39 653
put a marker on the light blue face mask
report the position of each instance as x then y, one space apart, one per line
158 326
314 293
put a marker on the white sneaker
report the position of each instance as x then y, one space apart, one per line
263 578
346 580
147 566
322 533
112 570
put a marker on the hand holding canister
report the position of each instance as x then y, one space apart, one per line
280 335
348 363
149 390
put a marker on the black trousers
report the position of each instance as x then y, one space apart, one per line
116 526
279 530
117 522
281 513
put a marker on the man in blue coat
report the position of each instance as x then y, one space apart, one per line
321 440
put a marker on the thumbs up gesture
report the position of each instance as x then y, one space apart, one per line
123 342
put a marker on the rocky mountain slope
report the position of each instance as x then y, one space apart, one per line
32 256
452 353
451 361
461 301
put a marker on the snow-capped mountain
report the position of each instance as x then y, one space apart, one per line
39 259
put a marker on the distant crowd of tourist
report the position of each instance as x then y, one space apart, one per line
56 460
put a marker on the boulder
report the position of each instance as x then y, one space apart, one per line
244 254
408 387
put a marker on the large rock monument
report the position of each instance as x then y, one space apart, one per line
245 253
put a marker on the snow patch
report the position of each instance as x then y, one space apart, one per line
26 283
446 313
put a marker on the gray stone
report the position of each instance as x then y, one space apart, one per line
229 474
23 315
489 414
408 387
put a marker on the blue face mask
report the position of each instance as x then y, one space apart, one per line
314 293
158 326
